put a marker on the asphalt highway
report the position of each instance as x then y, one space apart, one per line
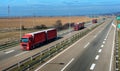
15 54
93 52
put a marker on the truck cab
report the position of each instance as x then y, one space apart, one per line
26 42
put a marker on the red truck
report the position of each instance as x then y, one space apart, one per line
32 40
94 21
78 26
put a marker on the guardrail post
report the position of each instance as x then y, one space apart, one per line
49 49
61 45
28 68
41 58
19 64
55 48
31 58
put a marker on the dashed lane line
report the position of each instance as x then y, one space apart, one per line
102 45
87 44
68 64
9 51
100 51
97 57
21 53
92 66
103 42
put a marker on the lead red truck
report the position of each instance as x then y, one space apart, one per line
32 40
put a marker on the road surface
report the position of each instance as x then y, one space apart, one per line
15 54
93 52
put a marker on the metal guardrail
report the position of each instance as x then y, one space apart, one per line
32 62
117 63
9 44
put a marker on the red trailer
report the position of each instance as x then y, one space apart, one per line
78 26
94 21
32 40
82 25
51 34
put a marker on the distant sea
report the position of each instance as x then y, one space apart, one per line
29 11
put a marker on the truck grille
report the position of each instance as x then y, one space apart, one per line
24 45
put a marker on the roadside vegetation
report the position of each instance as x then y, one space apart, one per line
59 25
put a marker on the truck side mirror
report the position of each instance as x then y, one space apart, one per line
20 40
31 39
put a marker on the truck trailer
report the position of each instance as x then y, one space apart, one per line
78 26
30 41
94 21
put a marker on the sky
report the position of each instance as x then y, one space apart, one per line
58 2
57 7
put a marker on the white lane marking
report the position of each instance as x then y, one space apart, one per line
114 25
21 53
95 36
9 51
112 53
68 64
102 45
63 51
92 66
104 39
108 32
87 44
99 31
97 57
100 51
103 42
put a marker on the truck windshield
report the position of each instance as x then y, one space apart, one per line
24 39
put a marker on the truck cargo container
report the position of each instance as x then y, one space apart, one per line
94 21
51 34
32 40
78 26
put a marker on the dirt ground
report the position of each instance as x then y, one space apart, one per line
33 21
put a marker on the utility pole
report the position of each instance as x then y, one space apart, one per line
8 11
20 28
33 20
8 15
69 22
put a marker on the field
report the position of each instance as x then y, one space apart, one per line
14 23
30 22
